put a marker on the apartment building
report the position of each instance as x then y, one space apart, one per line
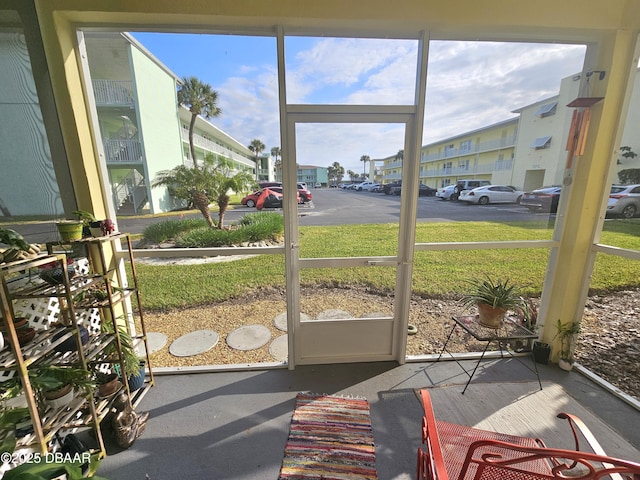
139 126
143 129
527 151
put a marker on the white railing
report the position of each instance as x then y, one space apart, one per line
487 146
133 188
213 147
113 92
498 165
123 150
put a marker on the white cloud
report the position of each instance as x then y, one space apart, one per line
470 85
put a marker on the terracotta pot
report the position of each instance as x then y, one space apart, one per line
110 386
25 335
20 322
489 316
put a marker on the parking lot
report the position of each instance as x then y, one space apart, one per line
334 206
337 206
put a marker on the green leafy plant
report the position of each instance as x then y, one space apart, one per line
496 293
48 378
566 333
130 359
86 217
13 239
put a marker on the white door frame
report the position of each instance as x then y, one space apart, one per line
316 341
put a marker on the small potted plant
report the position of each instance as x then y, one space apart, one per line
567 334
63 383
493 298
134 366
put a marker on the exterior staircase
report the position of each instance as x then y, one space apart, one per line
130 195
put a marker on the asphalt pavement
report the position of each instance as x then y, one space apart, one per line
328 207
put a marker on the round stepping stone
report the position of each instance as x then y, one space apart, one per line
333 314
194 343
279 348
280 321
249 337
155 340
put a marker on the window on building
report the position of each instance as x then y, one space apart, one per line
463 165
541 142
465 146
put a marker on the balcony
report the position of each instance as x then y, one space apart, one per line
484 169
123 151
481 147
210 146
113 92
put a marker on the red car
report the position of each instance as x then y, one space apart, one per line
252 199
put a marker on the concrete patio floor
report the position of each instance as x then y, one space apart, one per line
234 424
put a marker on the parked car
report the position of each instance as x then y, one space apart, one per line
445 193
386 188
363 186
462 185
317 185
543 199
491 194
272 199
304 193
251 199
624 200
423 191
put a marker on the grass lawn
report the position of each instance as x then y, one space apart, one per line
436 274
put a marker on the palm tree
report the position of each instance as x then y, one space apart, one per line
364 159
400 155
277 164
201 186
257 147
335 172
201 99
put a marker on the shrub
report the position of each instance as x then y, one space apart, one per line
170 229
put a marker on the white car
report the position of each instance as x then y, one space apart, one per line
364 186
491 194
445 192
624 200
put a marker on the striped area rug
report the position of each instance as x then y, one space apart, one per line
330 438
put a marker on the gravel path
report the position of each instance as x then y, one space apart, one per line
608 342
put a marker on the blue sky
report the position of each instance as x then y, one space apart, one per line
470 85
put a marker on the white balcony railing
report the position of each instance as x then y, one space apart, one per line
213 147
113 92
498 144
123 150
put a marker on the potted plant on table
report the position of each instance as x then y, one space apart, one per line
567 334
493 298
92 227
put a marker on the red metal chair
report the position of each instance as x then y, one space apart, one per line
457 452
